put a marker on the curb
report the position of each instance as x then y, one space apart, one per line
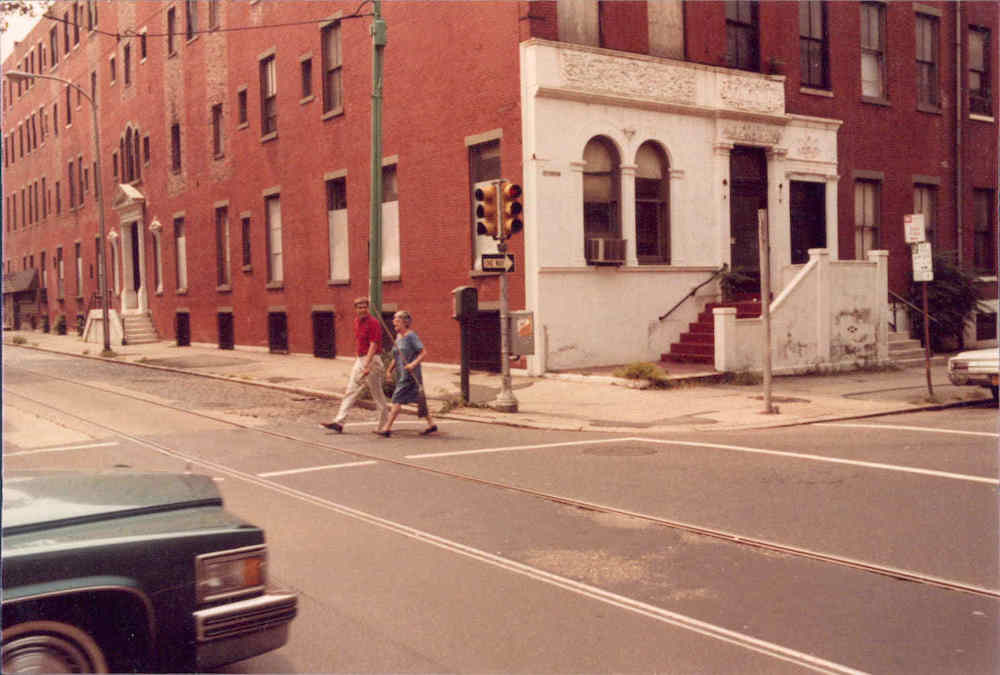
525 423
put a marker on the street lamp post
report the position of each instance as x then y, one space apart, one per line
102 277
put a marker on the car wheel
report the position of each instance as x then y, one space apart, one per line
996 393
50 647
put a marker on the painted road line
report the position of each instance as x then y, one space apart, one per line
900 427
511 448
829 460
718 446
63 448
289 472
712 631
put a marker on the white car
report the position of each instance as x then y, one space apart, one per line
978 367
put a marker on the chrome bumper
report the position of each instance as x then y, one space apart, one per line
238 630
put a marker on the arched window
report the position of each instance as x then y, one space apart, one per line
652 205
601 189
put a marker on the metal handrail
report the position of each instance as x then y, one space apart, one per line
694 290
911 305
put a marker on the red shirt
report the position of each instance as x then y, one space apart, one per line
367 331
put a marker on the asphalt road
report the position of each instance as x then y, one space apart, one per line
491 549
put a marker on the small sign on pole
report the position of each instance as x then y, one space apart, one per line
923 263
913 228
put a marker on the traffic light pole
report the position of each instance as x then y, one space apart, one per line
379 39
505 401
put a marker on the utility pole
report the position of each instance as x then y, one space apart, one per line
102 265
379 39
764 241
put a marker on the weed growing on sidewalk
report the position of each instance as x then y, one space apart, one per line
656 375
19 340
741 378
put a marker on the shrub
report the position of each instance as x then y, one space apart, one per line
951 299
19 340
61 324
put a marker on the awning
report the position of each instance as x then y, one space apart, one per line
25 280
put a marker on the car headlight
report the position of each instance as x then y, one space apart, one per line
230 573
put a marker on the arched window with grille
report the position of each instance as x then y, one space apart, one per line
601 202
601 189
652 205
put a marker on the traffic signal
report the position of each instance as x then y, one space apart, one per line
512 209
486 210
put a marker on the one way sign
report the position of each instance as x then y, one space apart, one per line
498 262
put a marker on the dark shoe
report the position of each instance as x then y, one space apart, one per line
429 430
334 426
387 434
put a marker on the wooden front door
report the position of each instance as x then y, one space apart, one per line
747 194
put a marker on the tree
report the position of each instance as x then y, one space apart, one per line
20 8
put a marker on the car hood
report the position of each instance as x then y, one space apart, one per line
35 500
978 356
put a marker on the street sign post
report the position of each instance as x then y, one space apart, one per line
923 271
498 262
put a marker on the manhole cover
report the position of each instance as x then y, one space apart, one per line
620 451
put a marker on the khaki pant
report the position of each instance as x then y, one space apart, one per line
357 384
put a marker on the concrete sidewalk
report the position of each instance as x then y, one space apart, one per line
563 401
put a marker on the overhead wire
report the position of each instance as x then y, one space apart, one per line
132 33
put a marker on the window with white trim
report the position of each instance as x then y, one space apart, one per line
873 50
180 250
390 222
925 202
275 261
332 66
222 245
336 218
867 209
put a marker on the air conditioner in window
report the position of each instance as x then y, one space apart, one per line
605 251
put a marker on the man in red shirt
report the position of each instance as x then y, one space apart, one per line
368 369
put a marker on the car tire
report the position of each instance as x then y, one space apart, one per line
50 647
995 392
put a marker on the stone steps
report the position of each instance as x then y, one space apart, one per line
139 329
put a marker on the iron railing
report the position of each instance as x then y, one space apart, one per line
716 273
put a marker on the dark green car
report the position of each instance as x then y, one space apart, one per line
132 572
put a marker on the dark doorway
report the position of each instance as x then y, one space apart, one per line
182 329
277 332
747 194
324 338
484 352
136 279
807 202
226 338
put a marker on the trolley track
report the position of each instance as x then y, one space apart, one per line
714 533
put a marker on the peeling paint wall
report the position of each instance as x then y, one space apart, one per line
832 315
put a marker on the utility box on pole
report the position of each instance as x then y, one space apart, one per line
522 332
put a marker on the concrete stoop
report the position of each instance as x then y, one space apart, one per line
906 352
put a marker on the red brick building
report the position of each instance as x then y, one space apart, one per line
235 141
